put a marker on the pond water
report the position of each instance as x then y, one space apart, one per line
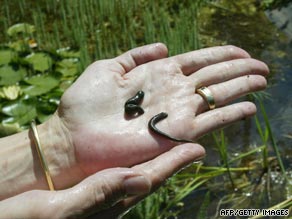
268 37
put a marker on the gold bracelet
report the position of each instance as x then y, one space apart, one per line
41 155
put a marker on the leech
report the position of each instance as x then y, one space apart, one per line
132 105
132 108
152 126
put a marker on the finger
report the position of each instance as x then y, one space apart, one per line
97 192
221 117
228 91
165 165
141 55
193 61
224 71
103 190
158 170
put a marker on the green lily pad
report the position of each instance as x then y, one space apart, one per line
67 67
6 56
64 85
43 117
40 84
10 75
20 112
46 107
68 53
20 28
19 45
40 61
9 129
43 80
35 90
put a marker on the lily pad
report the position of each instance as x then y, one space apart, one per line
40 84
43 117
20 112
19 45
68 67
64 85
45 110
46 107
9 128
43 80
35 90
40 61
6 56
10 75
68 53
20 28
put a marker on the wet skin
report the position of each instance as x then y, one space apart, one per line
157 118
132 108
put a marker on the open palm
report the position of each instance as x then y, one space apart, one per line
92 109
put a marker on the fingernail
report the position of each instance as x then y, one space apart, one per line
137 185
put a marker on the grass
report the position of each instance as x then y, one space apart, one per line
103 29
106 28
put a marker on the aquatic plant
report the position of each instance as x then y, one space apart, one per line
32 80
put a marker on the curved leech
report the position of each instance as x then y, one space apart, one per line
132 107
152 126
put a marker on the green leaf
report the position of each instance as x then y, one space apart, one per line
6 56
8 129
204 207
10 75
40 84
67 67
67 53
19 45
64 85
43 117
35 90
43 80
40 61
47 107
21 112
20 28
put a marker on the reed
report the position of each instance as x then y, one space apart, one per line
222 147
272 139
7 12
264 137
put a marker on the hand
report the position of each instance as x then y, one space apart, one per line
92 109
102 193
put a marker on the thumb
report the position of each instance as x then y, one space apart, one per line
96 192
114 183
104 189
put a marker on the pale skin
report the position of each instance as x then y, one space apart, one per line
89 137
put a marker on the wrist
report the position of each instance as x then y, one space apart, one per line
20 165
59 153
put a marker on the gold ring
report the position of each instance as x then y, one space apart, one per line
208 97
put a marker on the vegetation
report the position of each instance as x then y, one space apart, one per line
272 4
32 80
45 49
